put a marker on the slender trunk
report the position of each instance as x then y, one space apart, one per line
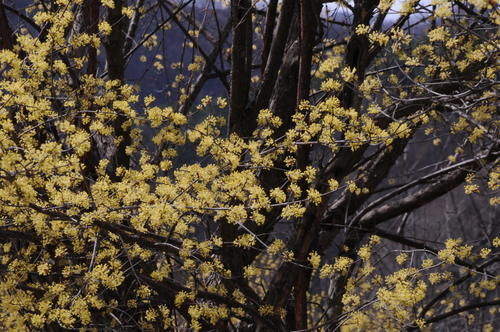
7 36
241 62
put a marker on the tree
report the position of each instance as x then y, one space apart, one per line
282 180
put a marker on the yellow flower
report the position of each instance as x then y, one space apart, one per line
471 188
327 271
194 67
108 3
348 74
420 323
496 242
314 259
221 102
342 264
362 29
104 28
278 195
438 34
237 213
379 38
314 196
276 247
128 11
485 252
333 184
293 211
401 258
427 263
44 269
245 241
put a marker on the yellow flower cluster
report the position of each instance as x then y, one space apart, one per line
454 249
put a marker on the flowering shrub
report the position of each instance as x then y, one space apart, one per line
295 199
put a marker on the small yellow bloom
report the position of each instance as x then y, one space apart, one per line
401 258
108 3
104 28
314 259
